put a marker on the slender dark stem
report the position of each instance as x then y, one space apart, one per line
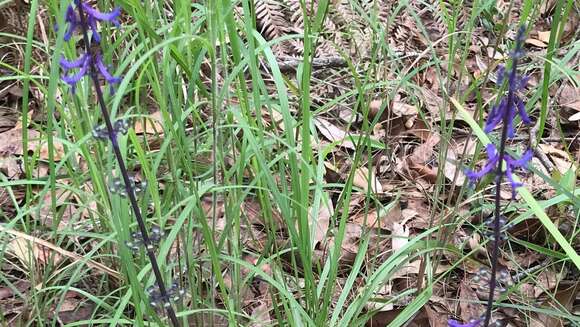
125 175
497 199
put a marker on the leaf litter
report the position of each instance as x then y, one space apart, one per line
410 142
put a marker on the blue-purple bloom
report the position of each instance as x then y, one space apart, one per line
455 323
504 113
92 16
83 63
493 160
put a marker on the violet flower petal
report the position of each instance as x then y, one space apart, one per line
72 19
77 63
522 111
93 25
103 70
523 161
495 116
109 17
455 323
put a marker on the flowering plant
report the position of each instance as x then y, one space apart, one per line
90 63
500 164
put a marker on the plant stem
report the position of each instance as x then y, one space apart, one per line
497 214
125 175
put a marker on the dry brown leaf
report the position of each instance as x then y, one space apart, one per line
45 214
322 223
74 308
468 302
252 210
561 159
332 133
569 97
437 318
564 297
151 124
424 152
361 179
417 213
544 36
350 243
407 111
383 218
536 43
413 267
40 242
11 143
27 251
546 281
335 134
10 167
452 167
400 236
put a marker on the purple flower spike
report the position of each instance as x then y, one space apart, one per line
495 116
111 17
92 16
84 62
103 70
72 80
492 160
455 323
77 63
73 20
522 112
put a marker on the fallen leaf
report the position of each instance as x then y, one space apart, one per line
335 134
436 318
25 240
319 226
400 236
380 218
11 143
468 302
253 211
74 308
536 43
26 251
452 167
564 298
361 179
544 36
151 124
424 152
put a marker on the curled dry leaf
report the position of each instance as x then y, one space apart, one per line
11 144
335 134
400 236
319 225
468 302
27 251
361 179
536 43
383 217
419 161
152 124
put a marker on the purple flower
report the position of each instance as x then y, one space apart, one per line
511 105
493 161
455 323
92 16
84 62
